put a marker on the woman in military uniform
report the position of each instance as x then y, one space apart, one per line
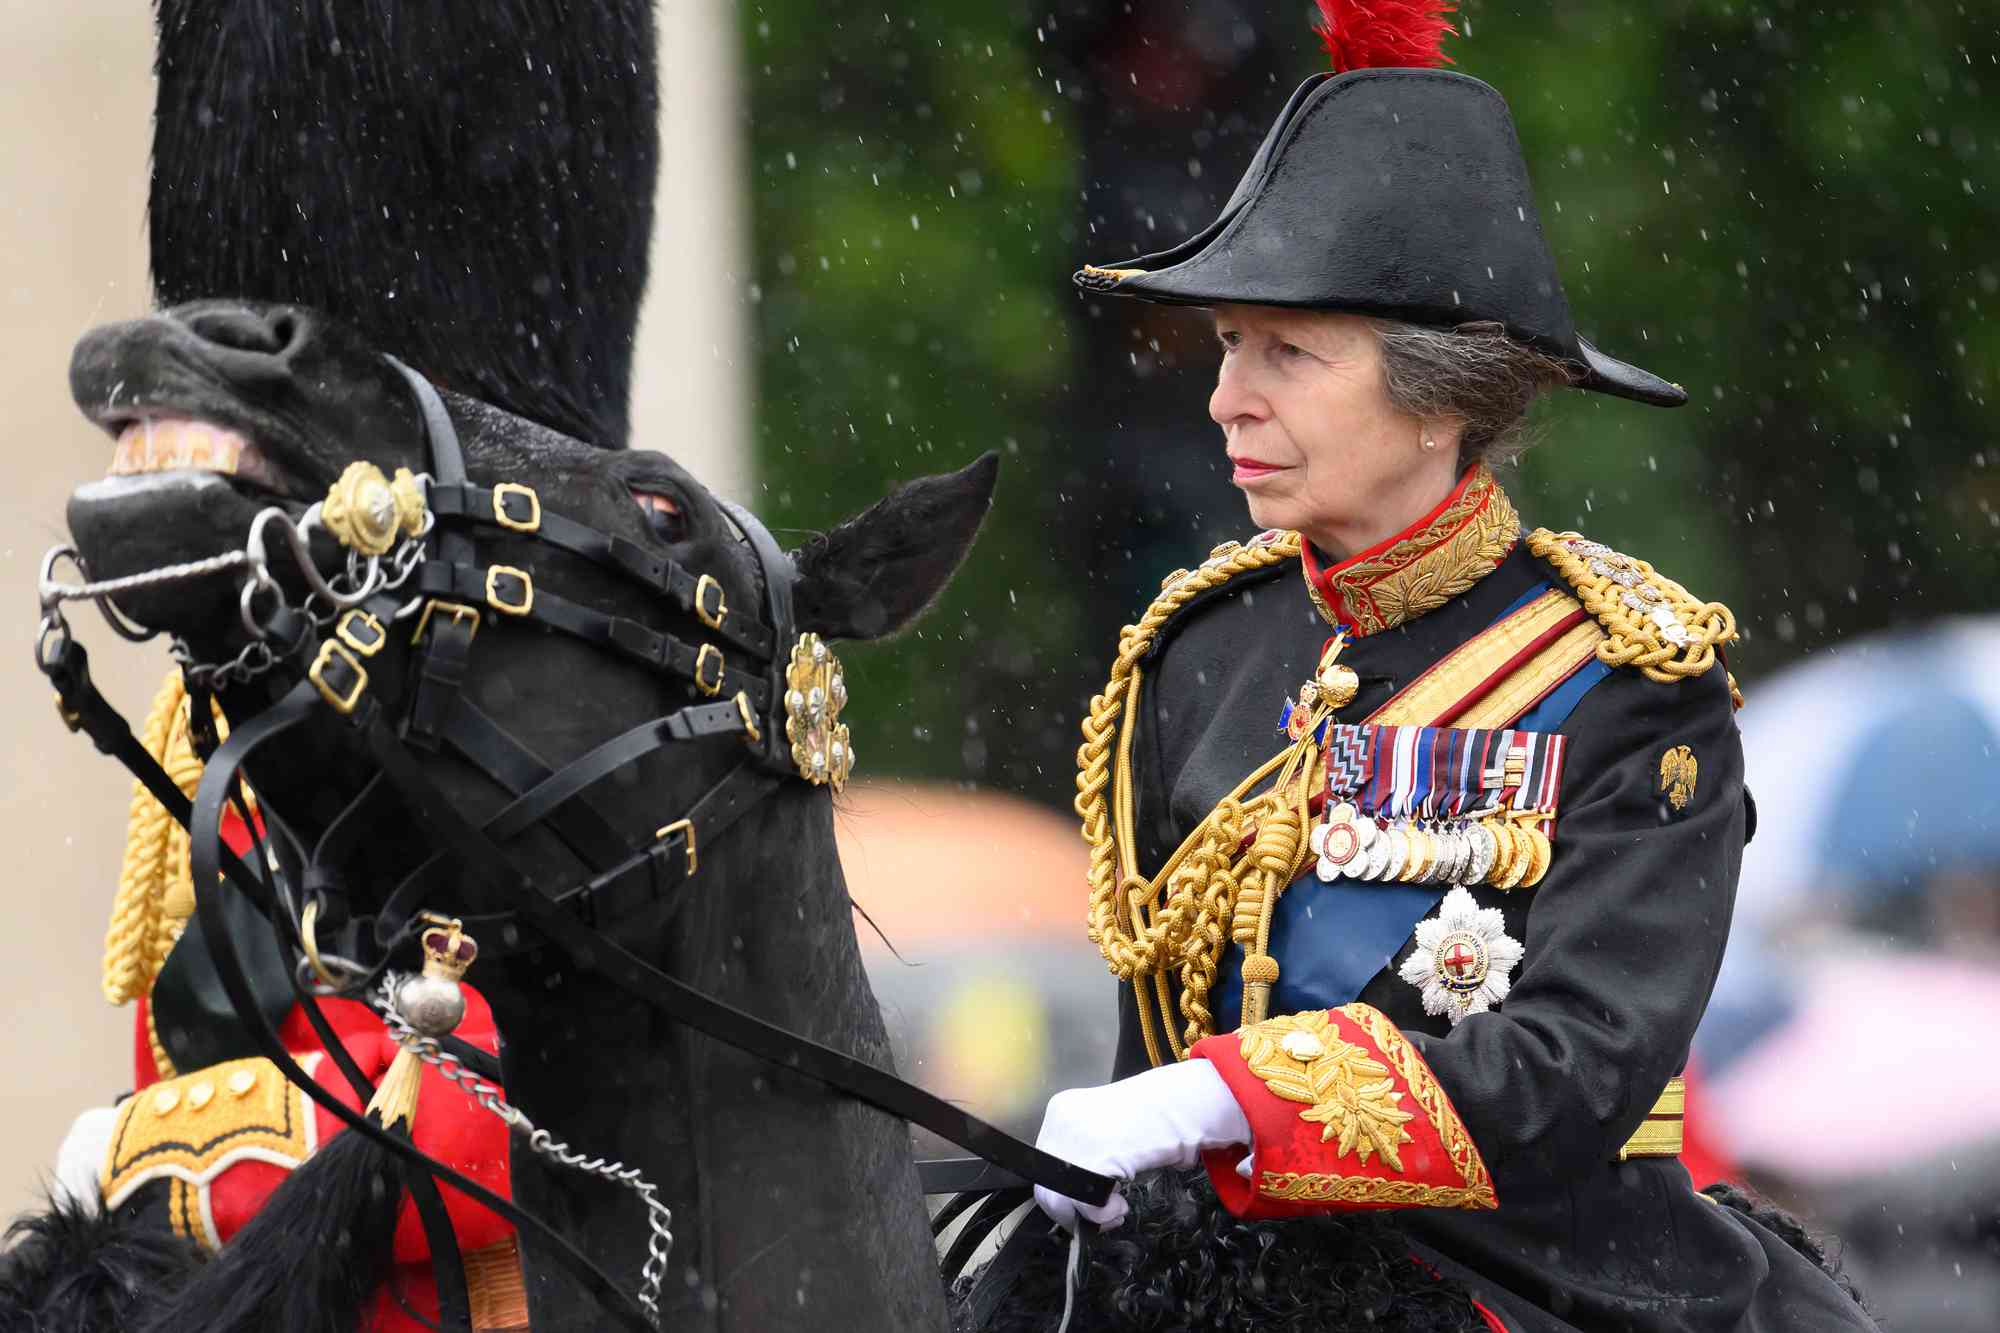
1415 831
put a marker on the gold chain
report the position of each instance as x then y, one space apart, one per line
1174 922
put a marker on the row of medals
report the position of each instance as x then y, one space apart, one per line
1495 850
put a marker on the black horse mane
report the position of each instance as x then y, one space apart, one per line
81 1269
1180 1261
1183 1262
470 186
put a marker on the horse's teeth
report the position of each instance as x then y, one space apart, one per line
160 444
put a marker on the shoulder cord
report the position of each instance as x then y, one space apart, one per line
1146 927
1631 638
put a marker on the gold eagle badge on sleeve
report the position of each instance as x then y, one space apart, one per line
1677 776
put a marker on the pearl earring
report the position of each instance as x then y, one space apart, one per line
1430 443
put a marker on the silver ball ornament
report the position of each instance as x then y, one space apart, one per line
434 1006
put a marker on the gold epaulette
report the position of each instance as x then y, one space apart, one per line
191 1129
1650 622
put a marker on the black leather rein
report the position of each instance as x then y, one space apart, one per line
423 709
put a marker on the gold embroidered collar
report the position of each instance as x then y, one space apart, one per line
1420 568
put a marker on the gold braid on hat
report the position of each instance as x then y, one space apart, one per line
1213 887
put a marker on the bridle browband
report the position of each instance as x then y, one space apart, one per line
739 663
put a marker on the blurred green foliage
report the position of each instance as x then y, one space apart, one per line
1788 207
913 184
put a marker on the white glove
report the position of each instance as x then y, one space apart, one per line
1163 1117
80 1160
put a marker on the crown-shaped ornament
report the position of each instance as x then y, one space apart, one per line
448 951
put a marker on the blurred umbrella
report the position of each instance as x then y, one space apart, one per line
1871 1075
1876 771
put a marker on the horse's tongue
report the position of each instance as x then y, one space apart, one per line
161 444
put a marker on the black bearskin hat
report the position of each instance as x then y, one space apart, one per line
471 186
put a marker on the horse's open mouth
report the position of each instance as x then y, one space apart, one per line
179 444
179 489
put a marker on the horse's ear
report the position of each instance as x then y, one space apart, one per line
875 573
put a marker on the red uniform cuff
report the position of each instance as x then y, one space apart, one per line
1344 1114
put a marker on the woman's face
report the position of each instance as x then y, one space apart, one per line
1315 442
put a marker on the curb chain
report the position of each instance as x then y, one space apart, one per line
659 1218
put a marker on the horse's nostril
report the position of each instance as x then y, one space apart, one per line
246 330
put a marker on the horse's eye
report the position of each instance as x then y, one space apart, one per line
663 515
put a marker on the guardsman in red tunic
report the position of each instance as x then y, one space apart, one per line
203 1149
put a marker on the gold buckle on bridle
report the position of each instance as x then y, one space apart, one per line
458 611
362 632
341 703
500 515
494 573
712 619
680 826
710 685
752 733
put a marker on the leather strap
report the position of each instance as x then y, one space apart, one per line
447 459
779 573
683 1004
960 1175
705 665
683 724
515 768
84 709
994 1209
603 897
439 664
655 571
205 854
673 857
996 1280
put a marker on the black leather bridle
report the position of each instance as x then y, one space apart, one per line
740 663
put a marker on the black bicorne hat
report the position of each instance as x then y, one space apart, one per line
1393 192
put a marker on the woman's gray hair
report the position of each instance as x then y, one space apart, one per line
1473 373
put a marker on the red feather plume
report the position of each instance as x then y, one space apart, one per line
1373 34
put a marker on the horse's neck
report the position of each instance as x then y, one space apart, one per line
795 1207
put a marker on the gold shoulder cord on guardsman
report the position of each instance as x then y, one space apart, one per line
1175 921
155 891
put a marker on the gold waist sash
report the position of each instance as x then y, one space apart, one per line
1660 1133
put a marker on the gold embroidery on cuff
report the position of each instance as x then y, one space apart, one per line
1476 1189
1302 1058
1314 1187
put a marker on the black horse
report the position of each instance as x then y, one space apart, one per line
794 1207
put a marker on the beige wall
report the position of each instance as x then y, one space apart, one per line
75 102
77 95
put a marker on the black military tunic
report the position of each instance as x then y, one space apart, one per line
1622 939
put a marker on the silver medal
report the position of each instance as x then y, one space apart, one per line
1483 849
1377 854
1399 853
